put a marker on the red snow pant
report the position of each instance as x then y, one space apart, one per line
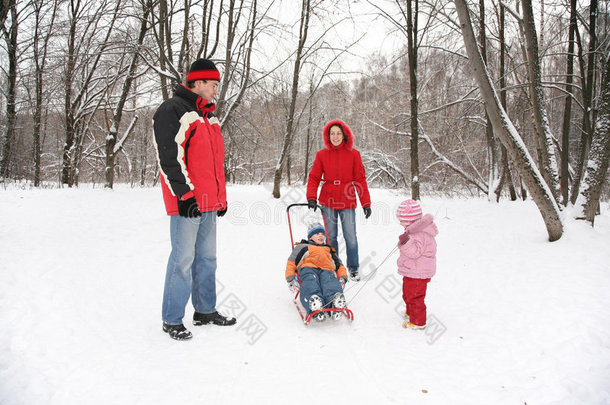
414 294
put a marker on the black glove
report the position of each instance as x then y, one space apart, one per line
312 204
367 212
188 208
221 213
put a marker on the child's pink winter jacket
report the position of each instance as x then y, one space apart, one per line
418 254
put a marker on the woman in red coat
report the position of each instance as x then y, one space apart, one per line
339 166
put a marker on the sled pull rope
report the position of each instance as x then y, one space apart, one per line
382 262
371 275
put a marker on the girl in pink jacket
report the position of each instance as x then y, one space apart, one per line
417 260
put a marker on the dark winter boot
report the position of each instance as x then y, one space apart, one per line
178 332
214 317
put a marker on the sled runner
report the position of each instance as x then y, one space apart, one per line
302 312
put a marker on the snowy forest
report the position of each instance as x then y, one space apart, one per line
505 99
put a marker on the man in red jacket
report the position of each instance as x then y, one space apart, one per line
340 167
190 150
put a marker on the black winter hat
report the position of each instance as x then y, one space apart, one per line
203 69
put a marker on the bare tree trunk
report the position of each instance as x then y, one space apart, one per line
171 68
505 176
10 36
5 6
231 31
543 130
308 137
242 59
304 27
506 131
567 111
599 155
412 51
587 97
493 178
205 49
40 59
288 166
111 140
73 100
163 24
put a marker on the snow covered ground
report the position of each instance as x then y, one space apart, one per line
513 318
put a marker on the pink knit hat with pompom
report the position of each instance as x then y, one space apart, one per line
408 212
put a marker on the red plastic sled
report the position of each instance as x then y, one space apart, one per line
302 312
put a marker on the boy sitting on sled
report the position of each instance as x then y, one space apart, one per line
317 265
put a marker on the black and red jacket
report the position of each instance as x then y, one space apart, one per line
341 170
190 151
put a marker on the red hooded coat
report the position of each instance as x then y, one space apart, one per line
341 170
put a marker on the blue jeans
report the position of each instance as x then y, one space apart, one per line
191 268
348 225
322 283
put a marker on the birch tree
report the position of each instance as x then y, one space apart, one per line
507 132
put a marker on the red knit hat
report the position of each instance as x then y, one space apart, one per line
203 69
408 212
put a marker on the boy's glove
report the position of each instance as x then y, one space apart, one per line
367 212
293 284
312 204
188 208
402 239
342 281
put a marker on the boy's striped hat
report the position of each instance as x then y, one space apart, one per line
314 229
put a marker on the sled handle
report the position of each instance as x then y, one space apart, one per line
290 224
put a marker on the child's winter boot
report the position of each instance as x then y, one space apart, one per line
410 325
339 303
315 303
